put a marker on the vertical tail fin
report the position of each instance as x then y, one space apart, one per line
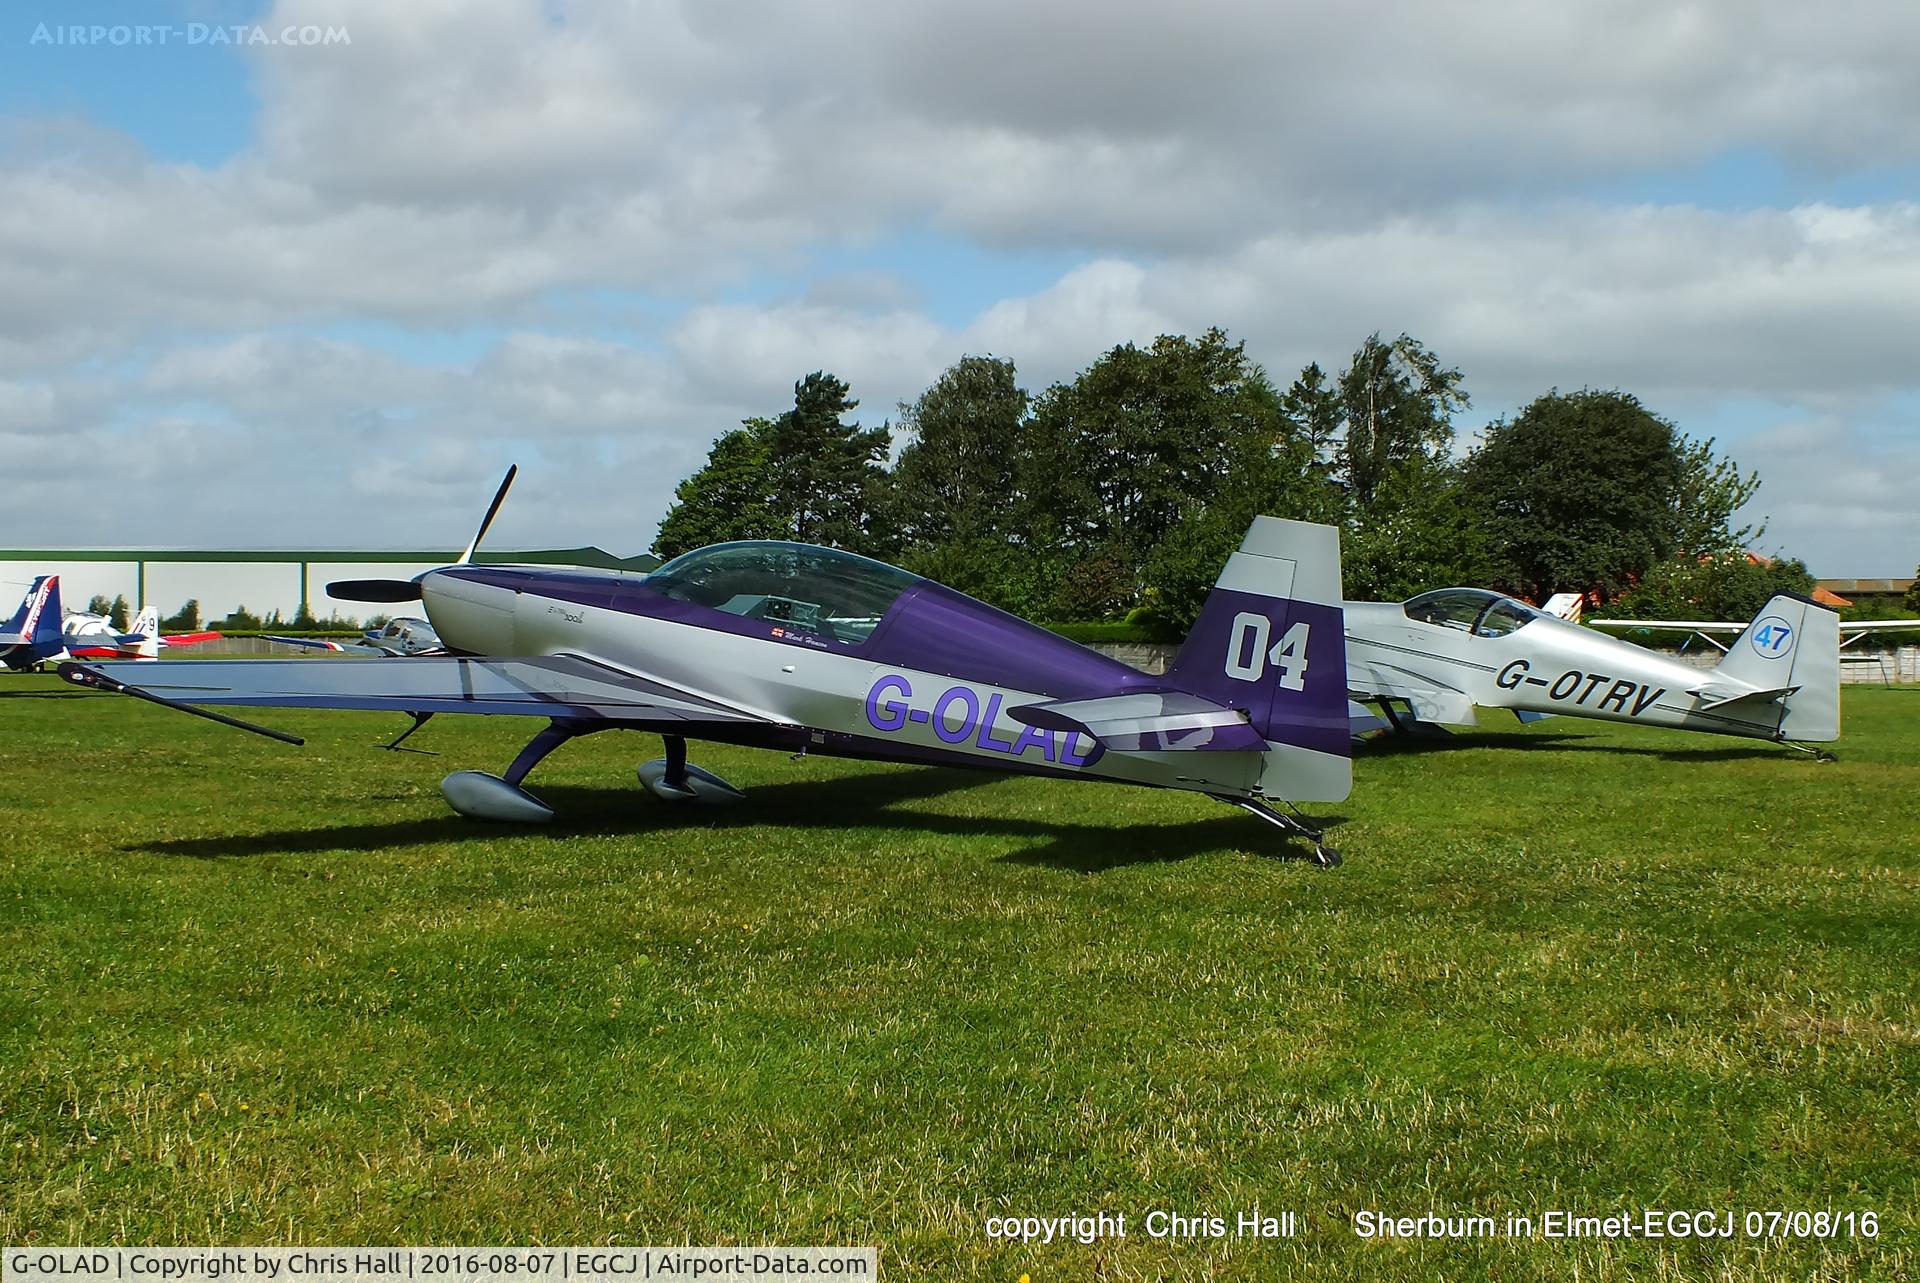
37 623
1565 605
1271 640
146 628
39 618
1792 648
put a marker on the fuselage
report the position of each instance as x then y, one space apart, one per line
1536 663
918 673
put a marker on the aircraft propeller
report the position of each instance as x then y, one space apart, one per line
399 590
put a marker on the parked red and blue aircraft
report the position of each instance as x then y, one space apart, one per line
40 632
94 636
32 637
816 650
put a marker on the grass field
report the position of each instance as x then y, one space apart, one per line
251 993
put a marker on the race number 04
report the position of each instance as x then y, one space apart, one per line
1248 653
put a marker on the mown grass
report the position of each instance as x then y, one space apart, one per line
250 993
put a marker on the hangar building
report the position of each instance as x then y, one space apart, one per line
262 580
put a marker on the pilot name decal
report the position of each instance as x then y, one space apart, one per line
960 717
1577 687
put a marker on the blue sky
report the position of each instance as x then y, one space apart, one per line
357 278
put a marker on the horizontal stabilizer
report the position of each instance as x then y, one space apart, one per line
1148 721
1717 696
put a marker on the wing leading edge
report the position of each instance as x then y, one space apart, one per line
543 686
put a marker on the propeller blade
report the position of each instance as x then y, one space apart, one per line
380 590
499 497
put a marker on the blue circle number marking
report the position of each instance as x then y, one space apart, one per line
1772 637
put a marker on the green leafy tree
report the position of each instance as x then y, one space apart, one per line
303 619
117 613
957 481
184 620
1277 479
1396 405
827 473
240 619
1730 585
1313 406
731 497
1707 495
1020 577
1912 599
1424 529
1579 491
99 604
1141 440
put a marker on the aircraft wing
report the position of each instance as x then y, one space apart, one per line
1668 625
1721 626
188 639
1430 700
544 686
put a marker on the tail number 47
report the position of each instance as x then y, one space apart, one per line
1248 653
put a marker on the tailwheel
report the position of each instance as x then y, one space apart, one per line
1323 855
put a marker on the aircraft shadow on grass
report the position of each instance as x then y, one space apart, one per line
1556 741
876 800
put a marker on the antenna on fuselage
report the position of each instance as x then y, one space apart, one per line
499 497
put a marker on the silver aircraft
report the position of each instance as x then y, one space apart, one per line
398 638
1434 657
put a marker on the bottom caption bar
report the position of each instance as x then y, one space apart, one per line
432 1264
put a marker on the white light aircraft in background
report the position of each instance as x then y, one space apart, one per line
1441 653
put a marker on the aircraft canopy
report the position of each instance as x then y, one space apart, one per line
1471 610
823 591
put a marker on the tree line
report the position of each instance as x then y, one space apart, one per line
1120 494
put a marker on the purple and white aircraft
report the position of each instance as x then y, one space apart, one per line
815 650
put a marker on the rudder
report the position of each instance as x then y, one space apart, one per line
1793 644
1270 639
37 621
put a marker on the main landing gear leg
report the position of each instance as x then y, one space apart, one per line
480 796
671 779
1817 754
1323 855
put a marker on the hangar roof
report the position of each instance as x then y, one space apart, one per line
588 556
